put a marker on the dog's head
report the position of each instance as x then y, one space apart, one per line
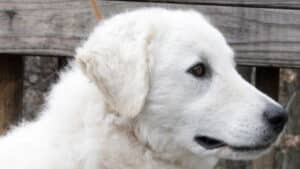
174 74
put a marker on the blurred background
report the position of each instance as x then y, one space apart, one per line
38 38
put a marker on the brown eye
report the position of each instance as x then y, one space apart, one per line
197 70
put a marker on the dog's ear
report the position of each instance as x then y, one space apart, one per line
119 64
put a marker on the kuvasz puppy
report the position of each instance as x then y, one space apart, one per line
150 89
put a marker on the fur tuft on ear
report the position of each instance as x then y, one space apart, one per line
116 58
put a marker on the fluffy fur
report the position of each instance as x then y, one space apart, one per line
129 103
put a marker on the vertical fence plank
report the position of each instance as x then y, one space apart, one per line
267 80
291 156
11 85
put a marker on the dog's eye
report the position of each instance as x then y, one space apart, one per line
197 70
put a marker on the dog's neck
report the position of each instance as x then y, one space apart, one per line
133 152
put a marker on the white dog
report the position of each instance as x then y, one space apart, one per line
151 89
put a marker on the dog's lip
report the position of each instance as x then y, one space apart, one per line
209 143
213 143
250 148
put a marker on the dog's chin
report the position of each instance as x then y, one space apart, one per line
248 153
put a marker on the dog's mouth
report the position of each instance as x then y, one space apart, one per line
212 143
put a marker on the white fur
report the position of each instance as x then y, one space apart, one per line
128 102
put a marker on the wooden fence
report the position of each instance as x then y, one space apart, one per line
264 33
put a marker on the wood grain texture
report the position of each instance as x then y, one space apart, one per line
11 85
44 27
250 3
264 37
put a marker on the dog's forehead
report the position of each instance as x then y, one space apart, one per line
194 41
191 28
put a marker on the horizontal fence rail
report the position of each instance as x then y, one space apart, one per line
287 4
260 36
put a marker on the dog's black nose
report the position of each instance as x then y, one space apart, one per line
276 117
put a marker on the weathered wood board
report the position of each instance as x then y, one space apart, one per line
290 4
11 85
260 36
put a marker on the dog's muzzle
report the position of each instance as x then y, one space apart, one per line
275 118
